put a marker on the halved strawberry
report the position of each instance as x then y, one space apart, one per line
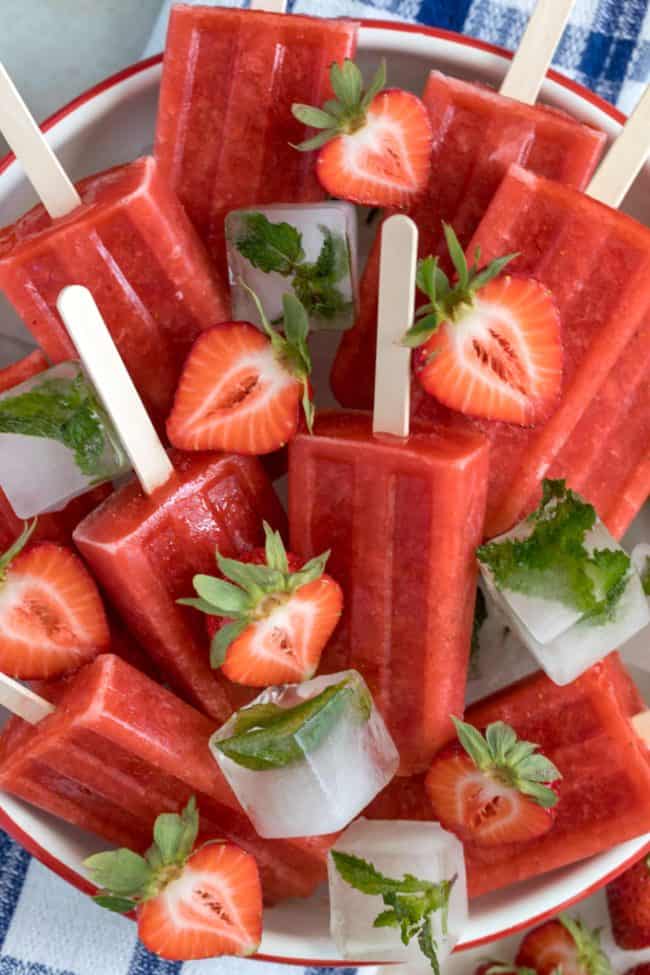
375 146
565 946
241 390
52 617
628 899
272 625
487 346
189 905
492 790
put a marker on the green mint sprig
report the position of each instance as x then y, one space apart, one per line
449 302
65 410
410 903
591 957
267 736
127 879
278 247
553 562
249 592
344 114
291 348
645 576
514 763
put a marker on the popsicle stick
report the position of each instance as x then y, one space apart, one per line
20 700
535 53
625 159
44 171
270 6
103 364
641 724
397 267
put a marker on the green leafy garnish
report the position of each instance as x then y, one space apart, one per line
410 903
645 576
253 592
344 114
553 562
511 762
291 348
449 302
127 879
480 616
277 247
591 957
268 736
65 410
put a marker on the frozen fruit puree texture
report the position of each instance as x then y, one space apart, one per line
596 261
402 520
584 728
119 750
132 245
145 551
477 135
225 130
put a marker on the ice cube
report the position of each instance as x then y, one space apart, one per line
39 473
565 643
424 850
316 223
330 766
501 658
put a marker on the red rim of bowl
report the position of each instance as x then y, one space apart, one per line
6 822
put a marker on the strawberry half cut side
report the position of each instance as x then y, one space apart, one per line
190 904
494 789
52 618
375 145
270 616
564 946
488 345
241 389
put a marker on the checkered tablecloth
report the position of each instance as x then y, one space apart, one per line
47 927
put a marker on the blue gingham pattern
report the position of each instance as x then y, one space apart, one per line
47 927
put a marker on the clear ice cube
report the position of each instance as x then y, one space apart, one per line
426 851
340 767
502 657
563 642
40 474
312 221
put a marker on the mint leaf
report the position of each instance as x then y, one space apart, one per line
270 246
65 410
276 741
315 284
553 562
411 902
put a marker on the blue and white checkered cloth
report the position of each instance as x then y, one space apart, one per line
47 927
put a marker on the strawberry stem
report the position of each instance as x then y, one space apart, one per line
16 548
346 113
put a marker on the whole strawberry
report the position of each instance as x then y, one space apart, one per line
492 789
628 899
190 903
271 621
563 946
374 146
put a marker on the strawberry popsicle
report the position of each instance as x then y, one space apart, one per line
131 243
477 135
109 767
401 512
225 132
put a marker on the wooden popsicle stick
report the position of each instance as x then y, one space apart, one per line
20 700
114 386
625 159
398 263
43 169
270 6
535 52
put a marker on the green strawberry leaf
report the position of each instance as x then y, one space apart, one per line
225 599
645 576
119 905
223 640
16 548
175 836
344 114
591 958
276 553
121 872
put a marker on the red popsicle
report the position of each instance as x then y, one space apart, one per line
225 132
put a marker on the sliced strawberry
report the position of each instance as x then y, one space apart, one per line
488 790
565 946
51 614
375 146
272 624
487 346
213 908
189 905
628 899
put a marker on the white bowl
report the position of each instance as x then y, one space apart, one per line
113 123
